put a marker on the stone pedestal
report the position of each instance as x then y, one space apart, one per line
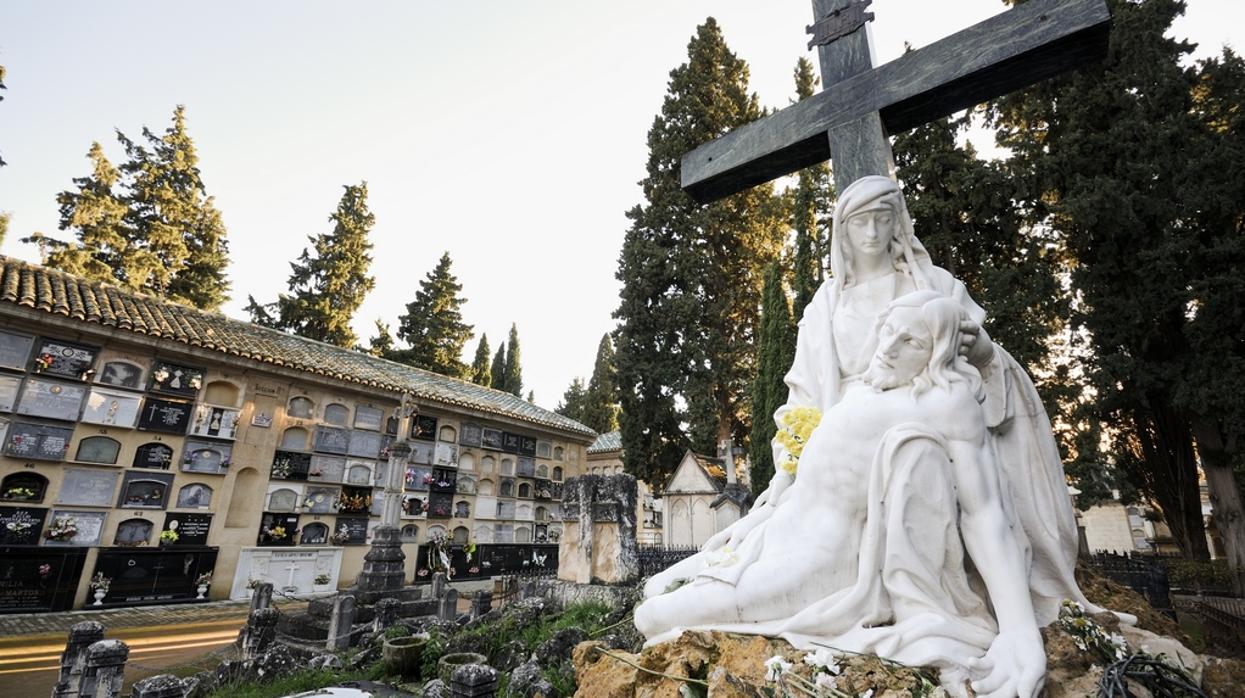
598 540
73 659
384 566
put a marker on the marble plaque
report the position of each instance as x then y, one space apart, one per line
57 358
470 434
87 487
15 350
491 438
421 452
168 416
527 467
284 497
314 533
90 525
544 449
369 418
111 407
355 529
21 525
331 440
122 374
365 444
51 399
216 422
510 442
359 473
192 529
98 449
153 574
37 441
9 387
527 446
206 457
418 477
424 427
176 380
290 465
320 500
446 454
327 469
196 495
145 490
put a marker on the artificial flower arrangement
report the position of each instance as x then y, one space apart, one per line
276 532
18 492
62 529
323 579
19 526
340 536
797 426
204 579
358 502
281 469
169 537
161 374
45 570
43 362
101 583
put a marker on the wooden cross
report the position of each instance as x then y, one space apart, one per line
850 118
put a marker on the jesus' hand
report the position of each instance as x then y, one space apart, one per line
1014 666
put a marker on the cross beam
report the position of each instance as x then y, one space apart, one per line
1010 51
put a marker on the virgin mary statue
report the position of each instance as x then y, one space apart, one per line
876 260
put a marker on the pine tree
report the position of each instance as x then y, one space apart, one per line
814 193
776 351
433 324
481 372
600 406
168 216
572 404
514 369
498 369
382 345
531 396
328 283
96 215
691 275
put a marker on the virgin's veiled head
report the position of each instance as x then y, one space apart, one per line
866 195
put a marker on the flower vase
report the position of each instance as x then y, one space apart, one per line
99 597
202 590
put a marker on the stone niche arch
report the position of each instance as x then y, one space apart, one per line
23 487
196 495
294 439
447 433
301 407
461 535
314 533
244 501
222 393
542 514
98 449
484 533
488 464
122 373
522 534
542 471
153 455
466 461
409 533
337 414
557 472
462 510
507 466
525 490
485 488
133 532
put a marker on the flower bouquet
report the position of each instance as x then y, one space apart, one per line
62 529
169 537
18 492
797 426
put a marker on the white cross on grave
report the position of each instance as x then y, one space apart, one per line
294 567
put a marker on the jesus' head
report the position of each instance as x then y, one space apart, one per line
918 344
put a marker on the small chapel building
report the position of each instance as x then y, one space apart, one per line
702 497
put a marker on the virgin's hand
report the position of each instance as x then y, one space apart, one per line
969 333
717 540
1014 666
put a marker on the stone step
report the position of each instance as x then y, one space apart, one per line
303 626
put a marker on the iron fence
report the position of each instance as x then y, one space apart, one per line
654 559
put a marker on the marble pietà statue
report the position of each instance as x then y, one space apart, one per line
927 519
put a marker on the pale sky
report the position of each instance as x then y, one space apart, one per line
510 134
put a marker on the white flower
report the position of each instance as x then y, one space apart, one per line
826 681
867 694
775 667
823 658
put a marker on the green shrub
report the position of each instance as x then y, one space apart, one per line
1190 573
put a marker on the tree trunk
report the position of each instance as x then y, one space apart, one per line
1225 496
1169 473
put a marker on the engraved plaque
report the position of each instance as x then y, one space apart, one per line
176 380
421 452
87 487
216 422
15 350
206 457
331 440
37 441
145 490
327 469
89 525
168 416
57 358
369 418
51 399
446 454
9 386
153 455
491 438
320 500
470 434
366 444
111 407
194 496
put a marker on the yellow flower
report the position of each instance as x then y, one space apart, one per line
798 425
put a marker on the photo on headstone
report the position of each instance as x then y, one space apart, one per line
174 379
327 469
424 427
153 455
51 399
87 487
122 374
331 440
57 358
278 529
206 457
191 529
365 444
83 528
196 495
111 408
9 388
21 525
145 490
166 416
370 418
216 422
15 350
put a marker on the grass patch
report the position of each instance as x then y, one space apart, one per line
307 680
590 616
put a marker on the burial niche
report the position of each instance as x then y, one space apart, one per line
222 393
461 535
98 449
557 472
133 532
194 496
153 455
314 534
122 374
525 490
23 487
337 414
283 499
485 488
141 491
448 434
410 533
462 510
301 408
294 439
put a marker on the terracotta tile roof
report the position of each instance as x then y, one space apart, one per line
57 293
611 441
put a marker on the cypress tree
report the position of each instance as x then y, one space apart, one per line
691 275
4 219
572 404
433 324
327 284
481 372
498 369
810 217
514 369
382 345
600 402
776 351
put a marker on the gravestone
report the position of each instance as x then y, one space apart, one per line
192 529
259 632
261 597
598 542
15 350
57 358
175 379
206 457
73 659
153 455
9 386
481 604
145 490
104 673
121 374
341 623
21 525
165 416
90 525
292 570
111 408
216 422
155 574
474 681
447 608
364 444
36 579
386 614
320 500
159 686
87 487
327 469
470 434
331 440
37 441
370 418
194 496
